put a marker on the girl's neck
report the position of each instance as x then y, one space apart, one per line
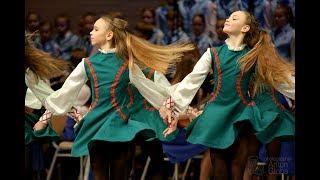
106 47
235 41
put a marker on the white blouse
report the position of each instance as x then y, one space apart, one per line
155 93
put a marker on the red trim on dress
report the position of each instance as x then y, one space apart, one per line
113 91
96 84
217 64
131 97
278 104
239 91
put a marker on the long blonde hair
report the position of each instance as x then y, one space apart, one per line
270 68
43 64
137 50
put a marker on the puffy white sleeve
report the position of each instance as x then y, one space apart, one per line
153 92
61 101
287 90
32 101
188 87
161 79
38 90
156 92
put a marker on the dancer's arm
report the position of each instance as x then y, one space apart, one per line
61 101
153 92
161 79
188 87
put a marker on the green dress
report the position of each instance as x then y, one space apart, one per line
142 111
277 120
109 118
30 135
229 104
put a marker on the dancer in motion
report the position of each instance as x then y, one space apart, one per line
107 132
247 56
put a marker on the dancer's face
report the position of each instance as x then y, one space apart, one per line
236 24
100 35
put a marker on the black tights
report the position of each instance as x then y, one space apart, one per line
153 149
273 152
111 161
230 163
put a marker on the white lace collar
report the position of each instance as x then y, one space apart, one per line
232 48
107 51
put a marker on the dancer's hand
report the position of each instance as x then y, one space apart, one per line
43 120
166 110
193 113
46 116
40 125
75 114
165 114
171 127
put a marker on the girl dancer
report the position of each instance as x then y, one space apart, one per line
248 53
109 120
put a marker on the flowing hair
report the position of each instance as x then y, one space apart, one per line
137 50
43 64
270 68
184 67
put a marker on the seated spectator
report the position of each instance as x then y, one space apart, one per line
66 39
85 27
207 8
148 27
45 41
175 32
162 12
32 24
283 34
199 37
221 36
